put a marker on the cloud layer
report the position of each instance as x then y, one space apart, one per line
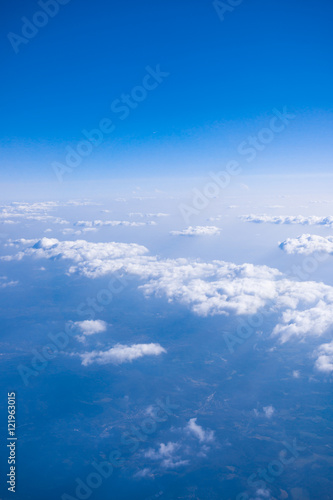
303 308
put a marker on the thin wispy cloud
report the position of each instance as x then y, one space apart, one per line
289 219
198 231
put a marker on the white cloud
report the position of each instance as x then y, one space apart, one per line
269 411
197 231
307 244
4 282
204 436
263 493
304 308
91 326
25 211
140 214
39 211
121 354
290 219
167 454
313 321
146 472
324 361
79 251
95 224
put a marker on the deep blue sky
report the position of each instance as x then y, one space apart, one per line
225 79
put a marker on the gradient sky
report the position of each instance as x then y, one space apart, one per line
225 78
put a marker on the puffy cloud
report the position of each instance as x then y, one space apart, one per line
167 454
79 251
218 287
289 219
121 354
324 361
307 244
269 411
90 327
195 429
197 231
313 321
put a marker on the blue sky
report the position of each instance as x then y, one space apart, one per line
225 78
166 235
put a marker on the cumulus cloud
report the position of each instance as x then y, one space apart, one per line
90 327
168 454
197 231
121 354
79 251
313 321
324 361
269 411
204 436
289 219
307 244
303 308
